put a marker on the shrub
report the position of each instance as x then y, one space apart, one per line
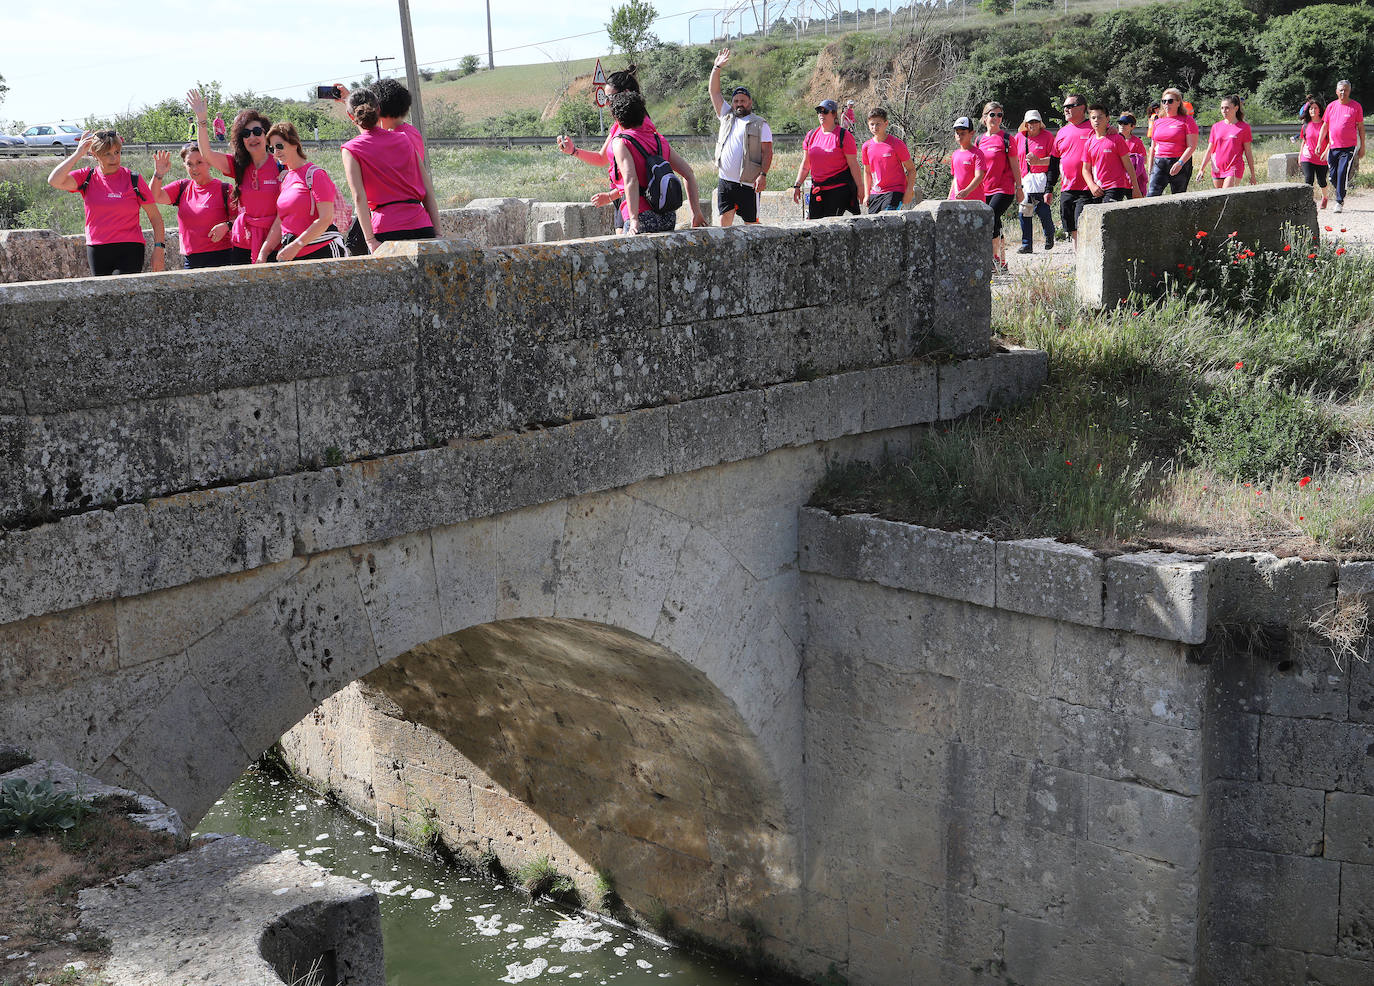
26 807
1246 430
1309 51
469 64
13 202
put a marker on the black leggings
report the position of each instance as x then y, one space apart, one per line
240 256
423 233
115 258
999 203
1313 172
208 258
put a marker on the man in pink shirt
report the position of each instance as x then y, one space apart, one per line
1066 157
1107 166
1342 136
888 174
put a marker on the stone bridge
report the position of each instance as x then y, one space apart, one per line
551 491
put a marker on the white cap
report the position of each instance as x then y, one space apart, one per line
1032 115
963 123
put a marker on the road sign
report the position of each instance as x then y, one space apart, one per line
599 78
601 98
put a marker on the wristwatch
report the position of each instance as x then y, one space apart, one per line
159 246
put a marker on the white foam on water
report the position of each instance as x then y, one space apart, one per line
378 848
321 836
281 890
445 904
538 941
643 965
620 951
319 849
514 929
486 926
422 894
556 969
517 973
387 888
299 808
580 935
358 833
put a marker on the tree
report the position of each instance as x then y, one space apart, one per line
3 88
469 64
1308 52
629 27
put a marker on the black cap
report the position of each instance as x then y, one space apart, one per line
740 89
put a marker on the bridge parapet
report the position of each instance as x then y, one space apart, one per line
113 391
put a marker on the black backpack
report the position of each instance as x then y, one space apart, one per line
663 188
223 191
133 177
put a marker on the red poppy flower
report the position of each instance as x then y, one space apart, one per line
1234 232
1305 480
1240 365
1300 517
1340 250
1287 247
1327 228
1342 229
1201 233
1311 256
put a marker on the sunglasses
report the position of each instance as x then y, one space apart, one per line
253 131
821 112
1166 102
277 146
994 114
1071 106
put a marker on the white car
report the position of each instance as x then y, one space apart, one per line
52 135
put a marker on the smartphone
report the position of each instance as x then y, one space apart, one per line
327 92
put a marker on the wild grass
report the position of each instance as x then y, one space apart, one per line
1205 417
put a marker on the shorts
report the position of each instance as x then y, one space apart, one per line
884 202
422 233
115 258
657 222
1313 172
240 256
1071 202
1115 195
835 200
208 258
737 197
999 202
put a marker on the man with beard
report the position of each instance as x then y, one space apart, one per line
744 151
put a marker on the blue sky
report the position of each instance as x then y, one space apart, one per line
63 64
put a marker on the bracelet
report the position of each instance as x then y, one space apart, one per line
159 246
797 187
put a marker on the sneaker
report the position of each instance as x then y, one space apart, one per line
1026 249
1049 245
1001 265
1340 207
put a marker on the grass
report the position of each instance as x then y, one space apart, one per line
1236 412
492 92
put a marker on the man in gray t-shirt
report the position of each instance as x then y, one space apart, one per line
744 150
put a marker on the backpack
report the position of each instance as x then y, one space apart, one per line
662 188
223 191
133 177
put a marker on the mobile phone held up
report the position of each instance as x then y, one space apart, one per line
327 92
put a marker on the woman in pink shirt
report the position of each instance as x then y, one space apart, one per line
1002 183
832 160
254 172
1032 145
1342 137
1312 161
1172 146
393 198
1228 146
204 215
112 196
305 228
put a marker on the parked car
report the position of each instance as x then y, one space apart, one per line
52 134
7 141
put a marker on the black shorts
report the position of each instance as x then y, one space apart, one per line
884 202
423 233
1313 172
999 202
1071 202
208 258
732 195
1115 195
240 256
115 258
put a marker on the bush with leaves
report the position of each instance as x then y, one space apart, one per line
26 807
1311 50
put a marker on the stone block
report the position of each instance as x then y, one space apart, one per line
1326 971
1268 818
1122 748
1309 684
1000 380
47 653
548 231
1235 963
239 434
614 287
1040 953
897 396
998 719
364 414
1356 578
1044 577
1317 753
1349 828
1283 167
1355 937
746 351
714 430
960 291
1143 677
1157 594
1059 801
1263 589
1123 241
508 219
1146 821
705 275
1230 744
781 271
1267 899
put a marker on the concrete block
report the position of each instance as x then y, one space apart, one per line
1000 380
1349 828
1044 577
1128 240
1283 167
1146 821
1260 588
1157 594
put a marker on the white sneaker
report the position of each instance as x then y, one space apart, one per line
1340 207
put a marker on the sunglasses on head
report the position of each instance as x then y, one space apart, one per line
106 134
253 131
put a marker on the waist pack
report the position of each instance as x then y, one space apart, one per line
662 187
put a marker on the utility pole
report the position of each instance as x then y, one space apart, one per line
417 109
376 61
491 59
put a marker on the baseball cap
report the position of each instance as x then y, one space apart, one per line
827 106
740 89
1033 115
1126 118
963 123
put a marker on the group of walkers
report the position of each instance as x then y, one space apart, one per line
275 205
1331 139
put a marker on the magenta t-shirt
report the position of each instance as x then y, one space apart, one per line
296 208
392 180
257 203
1171 135
826 153
648 138
1040 145
1342 120
883 159
199 209
962 164
1103 156
998 179
1311 138
415 136
1068 147
111 206
1226 144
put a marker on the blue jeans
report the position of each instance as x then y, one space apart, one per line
1042 209
1340 159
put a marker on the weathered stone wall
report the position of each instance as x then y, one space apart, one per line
1023 768
1121 244
116 390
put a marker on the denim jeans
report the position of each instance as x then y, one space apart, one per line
1042 209
1340 159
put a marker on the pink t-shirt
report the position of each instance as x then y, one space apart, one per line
392 180
415 136
257 204
112 208
1171 135
1135 145
1311 134
962 164
1226 145
998 179
883 159
1068 147
199 209
648 138
1342 122
826 153
1040 145
296 206
1103 156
